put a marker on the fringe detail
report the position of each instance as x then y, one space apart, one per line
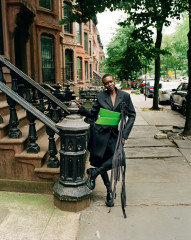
117 163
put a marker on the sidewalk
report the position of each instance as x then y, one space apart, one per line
158 184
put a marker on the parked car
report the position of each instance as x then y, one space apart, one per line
165 89
178 98
142 84
182 79
149 89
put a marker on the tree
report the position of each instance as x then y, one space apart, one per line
187 127
144 14
147 15
126 54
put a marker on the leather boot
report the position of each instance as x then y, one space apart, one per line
109 199
92 174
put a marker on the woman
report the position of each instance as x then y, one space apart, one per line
104 132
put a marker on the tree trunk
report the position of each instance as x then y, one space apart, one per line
157 69
187 127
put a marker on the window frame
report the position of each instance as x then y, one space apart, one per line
47 61
79 69
78 34
85 41
69 25
69 64
86 70
51 5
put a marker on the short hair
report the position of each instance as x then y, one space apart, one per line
107 75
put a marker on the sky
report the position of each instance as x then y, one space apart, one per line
107 25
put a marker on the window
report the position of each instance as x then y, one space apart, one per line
91 71
47 58
90 48
67 13
47 4
68 65
86 70
78 34
79 69
1 32
185 87
86 42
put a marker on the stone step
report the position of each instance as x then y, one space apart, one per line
2 96
18 145
48 173
4 127
39 160
5 108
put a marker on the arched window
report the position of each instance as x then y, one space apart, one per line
67 13
47 58
1 32
69 65
79 69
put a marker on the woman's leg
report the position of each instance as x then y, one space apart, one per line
94 172
109 198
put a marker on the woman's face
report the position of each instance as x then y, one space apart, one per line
109 83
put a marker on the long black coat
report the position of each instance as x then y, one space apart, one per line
101 134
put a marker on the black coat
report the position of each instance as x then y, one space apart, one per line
101 134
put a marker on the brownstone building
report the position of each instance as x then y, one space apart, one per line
31 38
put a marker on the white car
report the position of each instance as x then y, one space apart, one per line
165 89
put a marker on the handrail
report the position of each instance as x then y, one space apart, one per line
29 107
34 84
45 85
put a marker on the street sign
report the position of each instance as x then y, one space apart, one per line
169 73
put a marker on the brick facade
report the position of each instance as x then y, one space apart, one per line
47 52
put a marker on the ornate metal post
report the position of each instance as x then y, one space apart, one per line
14 131
41 106
52 160
71 192
33 146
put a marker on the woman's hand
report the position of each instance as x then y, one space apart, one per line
78 104
123 141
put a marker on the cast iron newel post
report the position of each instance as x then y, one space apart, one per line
71 192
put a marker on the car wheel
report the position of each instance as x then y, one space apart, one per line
172 104
184 109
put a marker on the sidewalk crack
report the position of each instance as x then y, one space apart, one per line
41 238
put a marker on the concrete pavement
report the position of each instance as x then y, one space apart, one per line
158 184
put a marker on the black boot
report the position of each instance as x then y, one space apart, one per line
109 198
92 174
